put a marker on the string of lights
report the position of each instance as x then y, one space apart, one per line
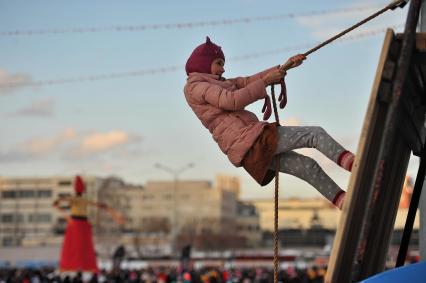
183 25
169 69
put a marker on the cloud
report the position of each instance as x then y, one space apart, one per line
70 145
98 142
7 81
39 108
43 146
37 147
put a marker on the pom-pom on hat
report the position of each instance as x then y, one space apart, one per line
79 185
203 56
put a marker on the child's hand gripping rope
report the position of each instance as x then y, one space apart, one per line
277 76
293 62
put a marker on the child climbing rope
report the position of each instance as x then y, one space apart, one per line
257 145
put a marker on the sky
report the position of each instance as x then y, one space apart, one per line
102 83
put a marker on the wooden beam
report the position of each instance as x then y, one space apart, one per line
383 210
363 175
369 212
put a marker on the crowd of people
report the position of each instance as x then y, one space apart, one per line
164 275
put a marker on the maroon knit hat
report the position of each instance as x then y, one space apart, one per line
79 185
202 57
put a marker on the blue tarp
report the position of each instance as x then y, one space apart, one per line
413 273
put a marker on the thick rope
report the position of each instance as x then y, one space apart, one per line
392 6
277 173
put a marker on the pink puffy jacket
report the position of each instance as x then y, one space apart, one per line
220 107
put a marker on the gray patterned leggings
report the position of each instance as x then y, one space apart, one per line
302 166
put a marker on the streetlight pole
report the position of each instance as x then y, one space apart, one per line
175 173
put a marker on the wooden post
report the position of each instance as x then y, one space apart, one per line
363 175
422 205
390 131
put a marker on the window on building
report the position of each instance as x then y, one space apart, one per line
8 194
64 195
64 183
44 218
7 218
8 241
19 218
26 193
61 221
44 193
11 218
39 218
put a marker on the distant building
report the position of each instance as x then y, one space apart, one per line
120 198
296 213
187 209
27 215
197 213
228 183
313 222
154 214
248 225
163 214
308 213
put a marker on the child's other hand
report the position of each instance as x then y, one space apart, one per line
293 62
283 95
274 76
267 108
